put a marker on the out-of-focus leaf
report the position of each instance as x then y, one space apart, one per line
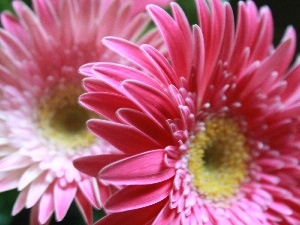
5 4
7 200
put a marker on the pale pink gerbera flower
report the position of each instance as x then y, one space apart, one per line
210 134
42 126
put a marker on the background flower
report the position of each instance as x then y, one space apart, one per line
209 135
42 126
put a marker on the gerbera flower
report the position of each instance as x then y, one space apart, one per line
42 126
210 134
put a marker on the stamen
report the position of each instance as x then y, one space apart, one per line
218 159
62 120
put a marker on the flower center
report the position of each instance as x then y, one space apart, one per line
62 120
218 159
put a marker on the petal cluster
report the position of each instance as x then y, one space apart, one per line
217 70
41 50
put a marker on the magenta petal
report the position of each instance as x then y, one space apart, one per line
84 207
165 216
159 108
114 74
139 196
138 216
63 197
146 125
129 50
86 69
164 71
90 189
91 165
145 168
105 103
175 37
92 84
125 138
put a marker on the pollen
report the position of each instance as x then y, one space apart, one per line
218 158
62 120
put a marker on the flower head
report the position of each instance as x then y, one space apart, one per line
42 126
208 134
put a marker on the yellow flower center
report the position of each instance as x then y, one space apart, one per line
218 159
62 120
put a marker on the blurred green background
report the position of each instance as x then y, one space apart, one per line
284 12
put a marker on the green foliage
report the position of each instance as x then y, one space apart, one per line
5 4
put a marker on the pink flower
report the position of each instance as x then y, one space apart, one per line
210 134
42 126
139 5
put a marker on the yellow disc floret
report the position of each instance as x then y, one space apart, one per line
218 159
62 120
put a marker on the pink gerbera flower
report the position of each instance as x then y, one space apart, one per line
210 134
42 126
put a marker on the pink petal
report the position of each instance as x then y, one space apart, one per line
176 40
29 175
10 182
92 84
45 11
11 24
46 205
90 189
145 168
114 74
105 104
125 138
141 93
91 165
129 50
14 161
164 71
146 125
139 6
35 29
20 202
87 71
34 216
267 67
137 26
63 197
165 216
84 207
228 33
138 216
263 35
134 197
281 208
13 45
36 190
